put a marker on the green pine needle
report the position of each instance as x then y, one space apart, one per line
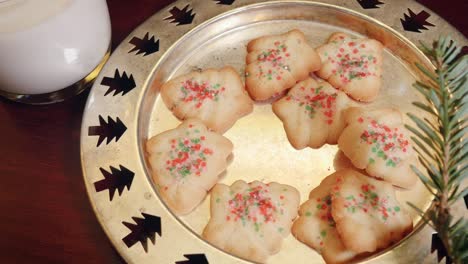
442 146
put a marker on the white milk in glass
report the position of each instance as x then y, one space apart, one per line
47 45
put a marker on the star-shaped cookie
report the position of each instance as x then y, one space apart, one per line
352 65
367 214
250 220
376 140
276 62
315 226
311 113
216 97
186 163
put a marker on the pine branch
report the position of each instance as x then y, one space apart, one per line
442 145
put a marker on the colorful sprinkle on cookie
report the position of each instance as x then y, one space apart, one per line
186 162
311 113
365 206
187 156
193 91
205 95
276 62
376 141
316 227
352 65
250 220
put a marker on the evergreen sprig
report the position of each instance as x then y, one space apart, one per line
441 144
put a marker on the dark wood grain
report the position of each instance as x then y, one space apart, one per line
45 213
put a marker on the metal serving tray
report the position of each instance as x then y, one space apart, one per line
124 109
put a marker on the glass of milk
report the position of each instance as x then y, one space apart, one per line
51 49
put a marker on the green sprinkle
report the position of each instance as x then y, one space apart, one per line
318 89
323 233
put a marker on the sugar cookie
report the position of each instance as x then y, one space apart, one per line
216 97
250 220
352 65
311 113
376 140
367 215
316 228
276 62
186 162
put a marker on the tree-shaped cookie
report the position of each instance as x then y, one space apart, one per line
368 217
311 113
376 140
276 62
186 163
352 65
217 97
316 228
250 220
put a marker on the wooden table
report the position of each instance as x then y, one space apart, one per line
45 213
